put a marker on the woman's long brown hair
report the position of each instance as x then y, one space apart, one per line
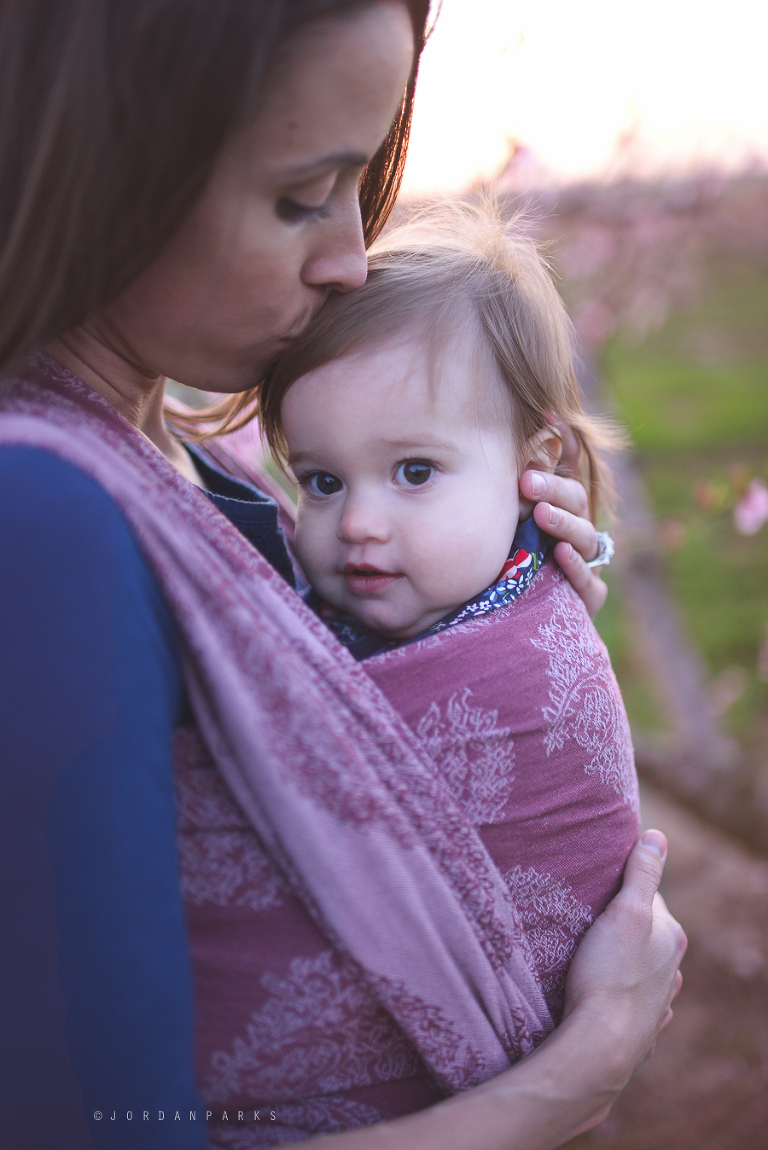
112 114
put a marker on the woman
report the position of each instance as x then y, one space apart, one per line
179 195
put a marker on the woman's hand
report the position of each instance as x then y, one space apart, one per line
562 510
626 971
619 995
618 998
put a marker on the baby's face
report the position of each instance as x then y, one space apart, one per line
407 506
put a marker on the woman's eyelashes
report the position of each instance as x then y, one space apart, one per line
293 212
308 201
415 472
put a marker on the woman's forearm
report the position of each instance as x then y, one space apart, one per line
567 1085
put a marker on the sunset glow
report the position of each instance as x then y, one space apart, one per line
594 89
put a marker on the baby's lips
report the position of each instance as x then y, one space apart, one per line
365 569
365 579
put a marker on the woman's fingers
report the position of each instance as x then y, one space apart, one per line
562 510
585 581
569 528
670 1012
644 868
625 973
642 876
633 950
567 494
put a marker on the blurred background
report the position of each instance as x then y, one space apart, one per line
634 137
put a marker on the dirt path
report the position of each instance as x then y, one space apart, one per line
706 1087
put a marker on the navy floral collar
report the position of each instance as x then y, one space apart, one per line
528 553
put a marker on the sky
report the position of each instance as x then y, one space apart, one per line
683 83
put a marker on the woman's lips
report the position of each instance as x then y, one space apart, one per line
364 579
296 328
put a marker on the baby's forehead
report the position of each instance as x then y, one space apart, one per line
445 368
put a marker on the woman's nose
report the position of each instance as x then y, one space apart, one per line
361 523
338 260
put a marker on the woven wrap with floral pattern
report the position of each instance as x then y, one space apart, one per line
359 822
519 709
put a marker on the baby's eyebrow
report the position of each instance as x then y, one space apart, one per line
416 446
306 462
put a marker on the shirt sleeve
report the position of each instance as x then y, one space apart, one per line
96 1010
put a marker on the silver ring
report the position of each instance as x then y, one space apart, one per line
605 550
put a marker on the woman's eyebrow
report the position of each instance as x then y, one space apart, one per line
332 160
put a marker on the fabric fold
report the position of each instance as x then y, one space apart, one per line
354 814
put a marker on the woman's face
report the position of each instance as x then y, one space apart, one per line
278 225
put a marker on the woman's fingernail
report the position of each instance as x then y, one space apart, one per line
654 841
538 483
554 516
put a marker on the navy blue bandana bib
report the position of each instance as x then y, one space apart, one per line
528 553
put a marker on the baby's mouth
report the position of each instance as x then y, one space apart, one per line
363 578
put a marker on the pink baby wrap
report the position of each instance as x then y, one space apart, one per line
359 947
521 711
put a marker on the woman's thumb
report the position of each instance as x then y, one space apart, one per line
645 865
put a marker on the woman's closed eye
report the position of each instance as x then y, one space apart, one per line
415 472
320 483
293 212
307 201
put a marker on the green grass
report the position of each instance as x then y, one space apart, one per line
702 381
694 397
673 405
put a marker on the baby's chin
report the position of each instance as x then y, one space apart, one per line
394 627
387 615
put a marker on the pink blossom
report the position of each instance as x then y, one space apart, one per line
751 511
594 321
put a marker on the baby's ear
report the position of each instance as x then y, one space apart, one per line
543 450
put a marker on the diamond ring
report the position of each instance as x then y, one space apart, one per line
605 550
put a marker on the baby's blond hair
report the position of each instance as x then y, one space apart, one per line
451 271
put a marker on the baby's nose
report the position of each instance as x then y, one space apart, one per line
361 522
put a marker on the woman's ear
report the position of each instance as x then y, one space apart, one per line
543 450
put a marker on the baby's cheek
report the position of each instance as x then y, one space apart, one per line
440 575
306 543
475 566
315 546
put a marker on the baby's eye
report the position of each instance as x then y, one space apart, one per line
414 472
321 483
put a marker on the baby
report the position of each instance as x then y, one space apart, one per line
406 413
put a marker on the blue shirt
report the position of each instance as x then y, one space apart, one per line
95 987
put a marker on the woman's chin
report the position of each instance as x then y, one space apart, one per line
231 382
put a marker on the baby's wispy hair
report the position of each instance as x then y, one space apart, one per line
452 271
